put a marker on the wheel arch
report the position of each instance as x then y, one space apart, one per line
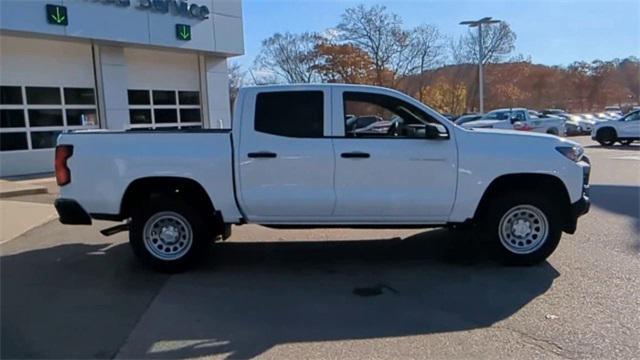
147 188
546 183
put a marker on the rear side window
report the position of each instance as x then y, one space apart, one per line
290 113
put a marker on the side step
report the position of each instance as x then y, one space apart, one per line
115 229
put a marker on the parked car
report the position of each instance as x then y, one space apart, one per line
288 163
572 125
624 130
554 112
614 110
587 122
518 119
466 118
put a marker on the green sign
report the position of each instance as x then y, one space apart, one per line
183 32
57 15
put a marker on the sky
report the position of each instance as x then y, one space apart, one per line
550 32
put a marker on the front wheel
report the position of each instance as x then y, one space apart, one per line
167 234
606 137
523 228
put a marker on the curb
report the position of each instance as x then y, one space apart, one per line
20 192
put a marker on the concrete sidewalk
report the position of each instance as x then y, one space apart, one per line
18 217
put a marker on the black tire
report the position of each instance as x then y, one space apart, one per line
509 203
626 142
606 136
172 209
553 131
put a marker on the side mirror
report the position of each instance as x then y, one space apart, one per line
431 132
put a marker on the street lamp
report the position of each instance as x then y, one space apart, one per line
478 24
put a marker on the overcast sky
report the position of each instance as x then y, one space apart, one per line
552 32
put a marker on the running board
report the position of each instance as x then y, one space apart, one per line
115 229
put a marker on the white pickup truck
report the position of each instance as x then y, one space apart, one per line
519 119
290 161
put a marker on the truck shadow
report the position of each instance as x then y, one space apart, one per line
622 200
79 301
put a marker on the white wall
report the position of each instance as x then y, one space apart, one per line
90 19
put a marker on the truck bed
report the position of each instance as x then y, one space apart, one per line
112 160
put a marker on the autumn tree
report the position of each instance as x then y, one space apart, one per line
446 98
344 63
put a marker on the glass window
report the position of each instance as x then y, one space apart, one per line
163 116
189 97
45 117
290 113
10 95
139 97
44 139
164 97
43 95
189 115
81 117
633 116
13 141
375 115
140 116
12 118
79 96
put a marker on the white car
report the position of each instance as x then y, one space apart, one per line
624 130
289 162
613 110
519 119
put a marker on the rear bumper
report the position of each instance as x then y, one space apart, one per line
71 213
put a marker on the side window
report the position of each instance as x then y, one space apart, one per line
375 115
290 113
520 116
633 117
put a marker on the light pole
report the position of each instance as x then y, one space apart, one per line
478 24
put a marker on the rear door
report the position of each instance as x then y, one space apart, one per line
390 173
286 163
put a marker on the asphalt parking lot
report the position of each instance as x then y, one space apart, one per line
68 292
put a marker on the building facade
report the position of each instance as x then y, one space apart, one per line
110 64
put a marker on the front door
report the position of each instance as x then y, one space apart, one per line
630 127
285 162
387 171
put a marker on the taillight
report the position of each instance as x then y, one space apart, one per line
63 174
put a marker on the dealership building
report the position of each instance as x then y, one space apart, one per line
110 64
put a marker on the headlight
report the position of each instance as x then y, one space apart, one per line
573 153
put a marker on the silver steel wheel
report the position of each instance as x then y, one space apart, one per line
523 229
167 235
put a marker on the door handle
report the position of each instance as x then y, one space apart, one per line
262 155
355 155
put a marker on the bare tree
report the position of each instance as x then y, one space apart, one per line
425 52
289 57
377 32
236 80
498 42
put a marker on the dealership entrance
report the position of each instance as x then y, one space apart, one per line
85 73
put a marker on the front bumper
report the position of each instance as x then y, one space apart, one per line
71 213
582 206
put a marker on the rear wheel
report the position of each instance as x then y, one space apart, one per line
606 136
167 234
522 228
